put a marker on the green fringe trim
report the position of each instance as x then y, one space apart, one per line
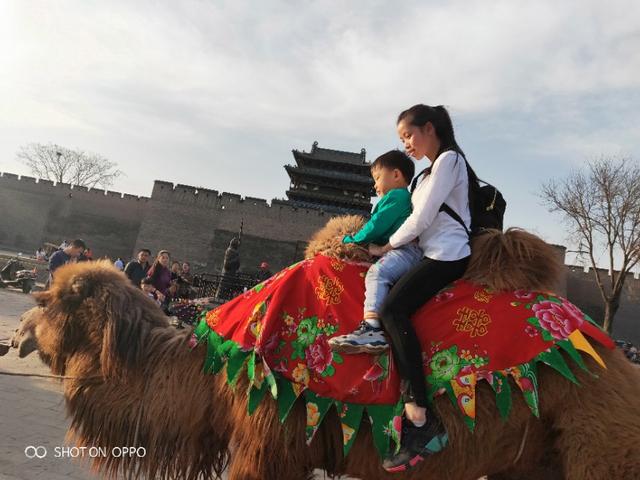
381 417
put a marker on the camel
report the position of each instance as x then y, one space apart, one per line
133 380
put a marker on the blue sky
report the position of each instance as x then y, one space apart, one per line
216 94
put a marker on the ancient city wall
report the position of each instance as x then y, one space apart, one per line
37 211
197 224
583 290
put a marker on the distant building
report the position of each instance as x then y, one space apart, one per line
331 180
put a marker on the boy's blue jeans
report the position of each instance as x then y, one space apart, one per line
386 271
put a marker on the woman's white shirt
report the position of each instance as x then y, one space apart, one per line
440 236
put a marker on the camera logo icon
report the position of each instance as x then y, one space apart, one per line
35 452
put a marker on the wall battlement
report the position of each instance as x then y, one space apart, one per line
48 187
587 273
195 196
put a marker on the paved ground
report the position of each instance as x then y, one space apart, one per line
31 410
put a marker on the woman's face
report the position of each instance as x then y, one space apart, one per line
419 142
175 267
185 267
163 259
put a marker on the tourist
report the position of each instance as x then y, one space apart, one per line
41 255
185 281
146 284
119 264
392 173
61 257
137 269
426 132
264 272
160 274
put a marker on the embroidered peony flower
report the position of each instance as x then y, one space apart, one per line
319 355
559 320
523 294
444 365
301 374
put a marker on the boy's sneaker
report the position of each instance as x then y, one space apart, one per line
364 339
417 443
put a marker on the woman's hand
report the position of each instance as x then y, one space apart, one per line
378 251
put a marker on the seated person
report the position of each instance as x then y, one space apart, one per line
392 173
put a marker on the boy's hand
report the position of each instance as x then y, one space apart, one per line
378 251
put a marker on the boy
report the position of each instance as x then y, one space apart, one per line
147 287
392 173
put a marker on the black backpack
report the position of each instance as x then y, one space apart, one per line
486 203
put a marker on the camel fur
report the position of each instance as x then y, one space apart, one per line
138 382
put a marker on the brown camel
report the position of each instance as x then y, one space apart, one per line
136 382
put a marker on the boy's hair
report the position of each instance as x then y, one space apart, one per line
396 159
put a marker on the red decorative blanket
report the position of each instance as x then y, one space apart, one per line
279 332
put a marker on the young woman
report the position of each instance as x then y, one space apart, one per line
426 132
160 274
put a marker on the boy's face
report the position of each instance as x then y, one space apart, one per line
387 179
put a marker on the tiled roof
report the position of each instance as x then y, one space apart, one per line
338 156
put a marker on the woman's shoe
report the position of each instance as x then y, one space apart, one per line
417 443
364 339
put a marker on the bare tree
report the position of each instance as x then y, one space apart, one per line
601 203
61 164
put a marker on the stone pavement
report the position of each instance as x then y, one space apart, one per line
31 410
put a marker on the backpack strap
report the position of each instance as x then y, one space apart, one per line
451 212
444 207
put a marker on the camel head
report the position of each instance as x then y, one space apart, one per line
328 240
513 260
24 338
92 310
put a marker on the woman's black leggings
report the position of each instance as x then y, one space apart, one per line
412 291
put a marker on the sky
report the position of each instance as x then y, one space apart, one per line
216 94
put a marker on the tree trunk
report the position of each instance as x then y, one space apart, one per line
611 306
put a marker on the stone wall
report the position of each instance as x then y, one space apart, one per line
39 211
583 291
197 225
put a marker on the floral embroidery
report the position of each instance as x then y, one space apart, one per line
483 295
329 290
337 265
313 414
472 321
560 320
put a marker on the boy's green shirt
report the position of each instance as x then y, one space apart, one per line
387 216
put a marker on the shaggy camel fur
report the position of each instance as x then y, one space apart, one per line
137 383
